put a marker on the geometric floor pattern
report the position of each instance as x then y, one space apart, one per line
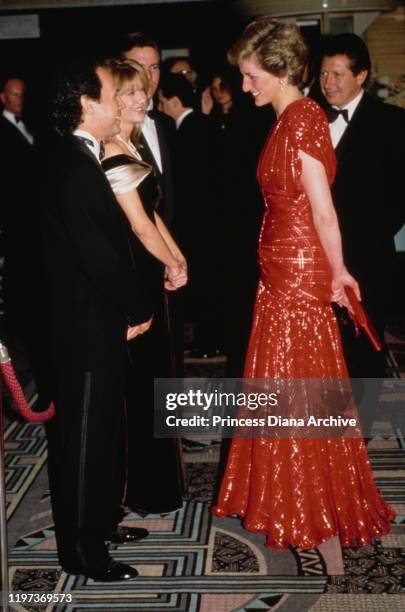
25 455
195 562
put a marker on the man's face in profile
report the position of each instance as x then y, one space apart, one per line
107 111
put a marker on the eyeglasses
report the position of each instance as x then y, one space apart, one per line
184 72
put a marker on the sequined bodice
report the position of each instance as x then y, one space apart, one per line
301 126
291 256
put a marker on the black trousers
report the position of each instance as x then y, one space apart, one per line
86 462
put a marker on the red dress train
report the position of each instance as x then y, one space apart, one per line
298 492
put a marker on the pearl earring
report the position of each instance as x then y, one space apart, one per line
282 83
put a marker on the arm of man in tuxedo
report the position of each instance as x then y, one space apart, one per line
88 225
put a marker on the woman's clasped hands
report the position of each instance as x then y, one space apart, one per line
176 276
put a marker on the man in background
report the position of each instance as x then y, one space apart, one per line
369 141
22 290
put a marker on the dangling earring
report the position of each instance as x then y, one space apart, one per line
282 84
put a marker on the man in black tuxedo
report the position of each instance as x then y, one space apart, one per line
18 206
369 140
96 304
19 232
18 193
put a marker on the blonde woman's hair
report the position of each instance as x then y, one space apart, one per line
123 73
278 46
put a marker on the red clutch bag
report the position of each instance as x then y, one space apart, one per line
361 320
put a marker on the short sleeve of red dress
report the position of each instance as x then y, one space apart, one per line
309 132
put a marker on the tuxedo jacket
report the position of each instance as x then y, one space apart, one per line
194 180
18 213
17 171
368 196
12 137
94 291
165 132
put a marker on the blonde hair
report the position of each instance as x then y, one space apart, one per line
279 48
124 72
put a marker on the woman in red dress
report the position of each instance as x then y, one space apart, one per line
298 492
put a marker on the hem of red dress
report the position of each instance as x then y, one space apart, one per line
345 544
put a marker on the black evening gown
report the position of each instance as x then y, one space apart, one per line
154 481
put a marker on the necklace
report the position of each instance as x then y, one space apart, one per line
130 146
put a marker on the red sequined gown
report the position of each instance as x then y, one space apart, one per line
298 492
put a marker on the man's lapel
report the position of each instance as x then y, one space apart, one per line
13 129
79 144
146 153
163 146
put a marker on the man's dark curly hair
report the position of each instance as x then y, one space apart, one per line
177 85
74 81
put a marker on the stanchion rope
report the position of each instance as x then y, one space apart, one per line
23 408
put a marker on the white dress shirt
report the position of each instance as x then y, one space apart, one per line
180 119
150 134
19 125
338 127
95 148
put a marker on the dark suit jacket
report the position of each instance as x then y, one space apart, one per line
194 181
18 212
94 292
368 196
165 132
16 171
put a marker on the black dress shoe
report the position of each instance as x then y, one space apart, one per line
127 535
115 572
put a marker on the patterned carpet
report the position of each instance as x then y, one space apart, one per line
194 562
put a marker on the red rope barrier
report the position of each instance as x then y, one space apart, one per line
21 403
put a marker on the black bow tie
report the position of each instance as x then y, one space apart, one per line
17 118
152 113
333 113
89 142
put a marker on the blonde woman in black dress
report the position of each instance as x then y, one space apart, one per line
154 475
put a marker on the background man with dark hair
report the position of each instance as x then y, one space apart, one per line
184 65
369 140
96 303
